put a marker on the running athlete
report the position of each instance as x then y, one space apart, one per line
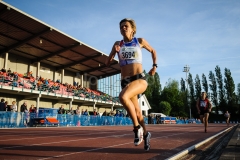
133 80
204 106
227 117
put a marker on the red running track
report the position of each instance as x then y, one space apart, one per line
102 142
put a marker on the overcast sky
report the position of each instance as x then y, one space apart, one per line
198 33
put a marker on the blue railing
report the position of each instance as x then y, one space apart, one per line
19 120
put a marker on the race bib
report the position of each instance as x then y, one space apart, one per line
128 53
202 104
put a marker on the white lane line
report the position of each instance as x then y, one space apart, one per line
69 140
195 146
95 149
66 135
39 144
80 134
43 132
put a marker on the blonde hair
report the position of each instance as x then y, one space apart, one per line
132 22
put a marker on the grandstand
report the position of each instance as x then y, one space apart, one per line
50 68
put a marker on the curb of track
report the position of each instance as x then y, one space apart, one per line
193 147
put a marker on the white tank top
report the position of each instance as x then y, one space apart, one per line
130 52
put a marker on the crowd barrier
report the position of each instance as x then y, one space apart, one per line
188 121
234 122
18 120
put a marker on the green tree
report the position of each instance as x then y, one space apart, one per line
191 97
198 87
213 88
204 83
238 93
191 86
238 100
153 91
183 86
230 88
221 91
165 107
172 95
183 95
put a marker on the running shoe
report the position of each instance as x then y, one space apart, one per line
147 141
138 135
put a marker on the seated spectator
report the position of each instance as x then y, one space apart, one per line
15 76
46 82
74 83
29 74
3 70
9 71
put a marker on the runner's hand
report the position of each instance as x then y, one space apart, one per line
198 111
117 48
152 71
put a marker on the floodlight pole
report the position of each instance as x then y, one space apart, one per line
186 69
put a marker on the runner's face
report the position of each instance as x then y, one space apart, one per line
203 95
126 29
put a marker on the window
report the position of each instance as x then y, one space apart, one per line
142 103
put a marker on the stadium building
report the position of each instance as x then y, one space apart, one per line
47 68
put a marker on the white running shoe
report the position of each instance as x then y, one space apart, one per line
138 135
147 141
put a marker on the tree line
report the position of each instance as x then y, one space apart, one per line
177 98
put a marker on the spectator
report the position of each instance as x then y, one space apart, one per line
61 110
71 111
46 82
86 112
2 105
74 83
9 72
78 112
7 108
117 114
121 114
158 119
3 70
82 112
26 116
32 109
95 113
15 76
104 113
14 106
149 119
23 107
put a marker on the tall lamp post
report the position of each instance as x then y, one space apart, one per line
186 69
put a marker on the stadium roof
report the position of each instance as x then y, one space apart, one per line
26 36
